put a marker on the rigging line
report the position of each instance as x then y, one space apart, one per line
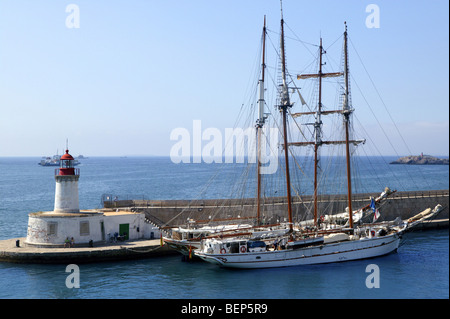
295 86
206 186
295 160
295 39
334 42
379 124
276 68
382 157
296 124
374 115
301 41
279 59
379 96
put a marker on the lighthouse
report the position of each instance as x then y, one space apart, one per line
87 227
66 190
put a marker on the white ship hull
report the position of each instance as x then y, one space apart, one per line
326 253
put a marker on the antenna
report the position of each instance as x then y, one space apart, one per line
67 144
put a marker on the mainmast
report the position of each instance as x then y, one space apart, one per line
283 107
260 122
347 112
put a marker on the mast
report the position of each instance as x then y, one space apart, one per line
317 131
283 107
347 113
318 123
260 123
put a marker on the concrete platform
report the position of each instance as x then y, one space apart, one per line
77 255
432 224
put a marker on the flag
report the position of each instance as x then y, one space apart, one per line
376 212
372 204
376 215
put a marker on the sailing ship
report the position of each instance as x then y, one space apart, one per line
324 242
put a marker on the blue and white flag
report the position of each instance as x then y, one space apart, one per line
372 204
376 212
376 215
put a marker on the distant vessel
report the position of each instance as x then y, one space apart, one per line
53 161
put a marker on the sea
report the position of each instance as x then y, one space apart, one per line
418 270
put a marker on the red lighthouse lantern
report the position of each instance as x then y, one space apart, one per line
66 165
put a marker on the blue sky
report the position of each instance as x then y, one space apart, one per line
136 70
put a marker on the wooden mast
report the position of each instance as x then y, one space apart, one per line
347 113
317 131
260 124
318 123
284 105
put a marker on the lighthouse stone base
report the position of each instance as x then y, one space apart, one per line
51 229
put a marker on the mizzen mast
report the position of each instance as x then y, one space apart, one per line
345 111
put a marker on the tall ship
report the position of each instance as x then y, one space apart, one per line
257 242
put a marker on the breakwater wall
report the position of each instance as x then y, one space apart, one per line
273 210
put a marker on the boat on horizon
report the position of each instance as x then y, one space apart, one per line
53 160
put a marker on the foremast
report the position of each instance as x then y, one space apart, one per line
260 123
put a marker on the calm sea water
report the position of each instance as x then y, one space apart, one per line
420 269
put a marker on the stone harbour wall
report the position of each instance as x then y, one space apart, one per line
178 212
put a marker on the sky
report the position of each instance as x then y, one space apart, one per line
119 82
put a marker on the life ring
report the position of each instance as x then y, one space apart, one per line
243 249
372 233
223 251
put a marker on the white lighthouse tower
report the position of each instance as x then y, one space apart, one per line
66 191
